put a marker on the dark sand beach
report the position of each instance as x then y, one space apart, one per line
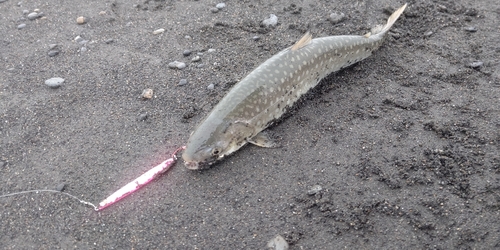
399 151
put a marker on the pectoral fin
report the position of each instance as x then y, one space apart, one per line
262 139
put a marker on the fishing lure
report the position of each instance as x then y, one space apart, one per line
139 181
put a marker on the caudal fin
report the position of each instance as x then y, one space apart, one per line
392 19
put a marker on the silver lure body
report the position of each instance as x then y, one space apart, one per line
266 93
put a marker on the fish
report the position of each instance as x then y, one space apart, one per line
265 94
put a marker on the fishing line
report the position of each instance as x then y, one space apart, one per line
51 191
122 192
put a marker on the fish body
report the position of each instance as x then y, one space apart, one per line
274 86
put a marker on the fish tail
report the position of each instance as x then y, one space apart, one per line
392 19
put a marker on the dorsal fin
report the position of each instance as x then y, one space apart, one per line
392 19
305 40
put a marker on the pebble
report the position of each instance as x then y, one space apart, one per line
176 64
183 82
201 65
256 38
336 17
108 41
53 52
81 20
211 86
186 52
471 29
158 31
272 21
60 187
147 94
26 12
475 65
220 6
21 26
200 53
78 39
54 82
143 117
314 190
52 46
214 10
210 50
428 33
196 59
83 49
277 243
32 16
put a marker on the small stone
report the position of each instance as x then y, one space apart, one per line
143 117
272 21
186 52
187 37
183 82
475 65
211 86
181 65
158 31
81 20
173 65
277 243
41 14
176 65
314 190
201 65
83 42
256 38
52 46
200 53
83 49
54 82
108 41
102 12
60 187
147 94
336 17
428 33
471 29
214 10
21 26
196 59
32 16
78 39
53 52
220 6
210 50
26 12
36 10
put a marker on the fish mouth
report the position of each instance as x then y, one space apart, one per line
192 165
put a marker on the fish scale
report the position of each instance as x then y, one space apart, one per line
274 86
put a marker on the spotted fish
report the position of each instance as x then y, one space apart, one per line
266 93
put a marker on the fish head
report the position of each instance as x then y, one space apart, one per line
209 144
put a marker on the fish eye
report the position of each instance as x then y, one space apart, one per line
215 151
